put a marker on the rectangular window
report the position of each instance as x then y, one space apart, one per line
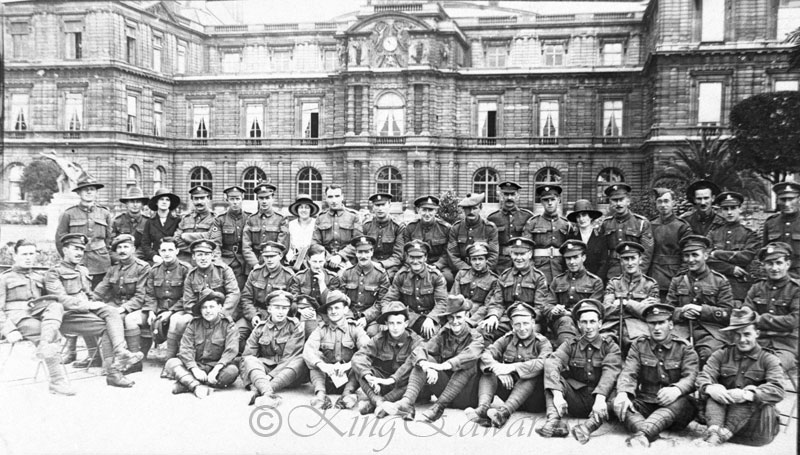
231 62
132 124
612 118
358 108
200 122
487 119
158 118
281 60
19 112
73 112
786 86
329 59
19 46
709 103
419 106
548 118
310 116
158 44
496 56
254 117
712 27
74 46
553 55
130 50
612 54
181 60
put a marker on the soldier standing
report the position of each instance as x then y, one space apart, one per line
266 225
365 284
195 226
784 226
625 226
733 245
227 233
387 233
336 227
471 229
131 221
668 230
510 221
477 284
548 231
433 231
701 193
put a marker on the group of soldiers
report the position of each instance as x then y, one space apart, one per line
655 322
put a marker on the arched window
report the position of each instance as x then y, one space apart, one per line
390 115
14 175
309 181
200 176
547 175
250 179
134 176
390 181
607 176
159 176
485 181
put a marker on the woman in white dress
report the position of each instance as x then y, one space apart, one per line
301 229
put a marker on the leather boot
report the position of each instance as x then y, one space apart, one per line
583 431
498 416
366 407
70 350
95 362
124 360
58 378
434 413
116 379
145 343
321 401
403 408
347 401
553 427
478 415
638 440
135 348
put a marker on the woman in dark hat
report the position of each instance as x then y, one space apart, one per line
584 216
162 224
301 229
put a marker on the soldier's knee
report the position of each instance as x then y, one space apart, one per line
172 363
228 375
250 362
132 320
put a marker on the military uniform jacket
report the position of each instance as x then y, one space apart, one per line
785 228
477 288
306 282
630 227
425 294
71 283
17 287
218 277
461 350
527 286
335 228
595 365
276 345
154 231
389 252
509 223
259 284
124 223
651 366
778 305
734 369
334 343
527 354
193 226
667 255
548 231
95 224
570 288
164 287
709 289
365 286
596 253
124 285
263 227
734 245
462 235
392 357
209 343
227 232
435 234
701 224
635 289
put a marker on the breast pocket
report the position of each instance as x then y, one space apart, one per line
271 233
228 235
633 234
129 286
255 236
17 290
259 292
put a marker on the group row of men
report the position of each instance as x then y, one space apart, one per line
461 341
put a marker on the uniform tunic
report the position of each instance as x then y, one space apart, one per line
549 232
387 357
528 354
364 286
629 227
263 227
778 305
667 255
334 343
95 223
193 226
17 287
209 343
734 245
227 232
435 235
277 346
477 288
462 235
260 283
510 223
651 366
591 365
124 285
701 223
785 228
527 285
217 277
388 234
164 287
424 293
335 228
635 289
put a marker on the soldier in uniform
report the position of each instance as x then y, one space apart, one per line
208 349
446 366
163 223
776 300
655 383
329 350
701 193
272 359
580 375
702 298
268 276
123 287
387 233
227 232
131 221
266 225
584 215
634 291
477 283
569 288
163 298
512 369
733 245
420 287
742 385
384 365
71 283
365 284
471 229
521 283
784 226
433 231
624 226
314 279
336 227
195 226
548 231
510 221
668 230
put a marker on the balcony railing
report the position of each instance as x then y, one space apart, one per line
388 140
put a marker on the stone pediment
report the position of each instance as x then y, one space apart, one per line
388 40
163 11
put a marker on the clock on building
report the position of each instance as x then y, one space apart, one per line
390 44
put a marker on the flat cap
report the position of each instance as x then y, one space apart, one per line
416 247
270 248
628 248
427 201
617 190
264 187
774 250
381 198
586 305
729 199
478 249
234 188
695 242
549 190
200 190
658 312
364 241
279 297
520 308
203 245
572 247
786 188
74 238
509 187
306 301
520 245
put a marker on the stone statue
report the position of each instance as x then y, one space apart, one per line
71 172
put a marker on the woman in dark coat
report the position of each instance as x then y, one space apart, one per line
162 224
584 216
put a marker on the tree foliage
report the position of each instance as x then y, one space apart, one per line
766 130
448 206
39 181
794 37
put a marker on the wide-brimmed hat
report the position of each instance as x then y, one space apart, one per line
455 304
87 182
701 185
390 308
134 193
174 199
303 200
205 295
583 206
331 297
306 301
740 318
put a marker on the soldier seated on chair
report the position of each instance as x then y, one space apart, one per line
208 349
